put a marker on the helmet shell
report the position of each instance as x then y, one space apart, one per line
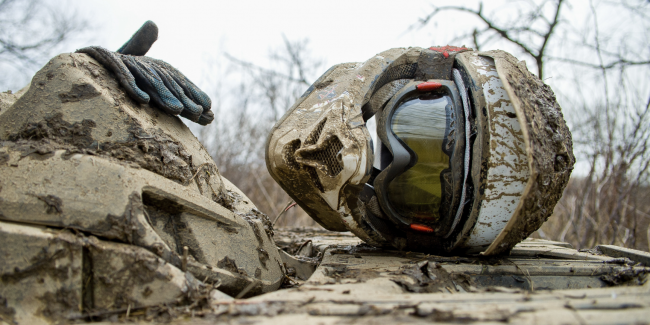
321 152
548 149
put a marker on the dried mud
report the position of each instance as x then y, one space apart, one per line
430 277
54 263
124 227
59 304
6 313
79 92
549 147
629 276
419 274
154 151
53 202
43 263
229 264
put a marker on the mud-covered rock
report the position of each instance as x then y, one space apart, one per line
77 154
74 104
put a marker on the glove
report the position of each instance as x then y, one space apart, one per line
147 80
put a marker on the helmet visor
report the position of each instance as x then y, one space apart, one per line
422 125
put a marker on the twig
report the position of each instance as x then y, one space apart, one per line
526 274
106 313
247 289
289 205
610 65
197 172
302 245
265 193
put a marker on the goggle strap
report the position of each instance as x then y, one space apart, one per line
458 79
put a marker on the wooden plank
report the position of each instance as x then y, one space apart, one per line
633 254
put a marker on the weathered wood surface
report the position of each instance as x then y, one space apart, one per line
361 285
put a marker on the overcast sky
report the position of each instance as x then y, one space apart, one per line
190 32
195 33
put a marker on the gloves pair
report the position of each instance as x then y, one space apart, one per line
149 80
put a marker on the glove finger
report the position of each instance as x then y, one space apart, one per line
143 82
165 99
114 63
140 43
206 118
191 110
184 92
173 89
200 97
181 83
194 92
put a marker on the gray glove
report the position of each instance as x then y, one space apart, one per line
146 79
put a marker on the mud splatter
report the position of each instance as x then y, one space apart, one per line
43 263
262 254
152 150
259 215
552 160
124 227
629 276
431 277
55 128
6 313
53 203
79 92
4 158
59 304
230 265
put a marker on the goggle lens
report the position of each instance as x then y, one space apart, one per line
422 124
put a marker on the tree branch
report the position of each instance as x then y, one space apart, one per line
610 65
509 33
274 73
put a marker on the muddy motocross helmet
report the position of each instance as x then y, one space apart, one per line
436 150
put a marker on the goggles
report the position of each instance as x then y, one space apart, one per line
419 179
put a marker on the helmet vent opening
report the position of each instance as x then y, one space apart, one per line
328 156
315 134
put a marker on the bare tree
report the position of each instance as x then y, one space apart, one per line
600 56
610 205
531 26
31 31
246 111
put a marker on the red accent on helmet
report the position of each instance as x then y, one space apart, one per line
446 49
428 86
421 228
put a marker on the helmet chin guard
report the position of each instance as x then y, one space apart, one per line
470 150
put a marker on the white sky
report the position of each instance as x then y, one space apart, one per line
190 32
